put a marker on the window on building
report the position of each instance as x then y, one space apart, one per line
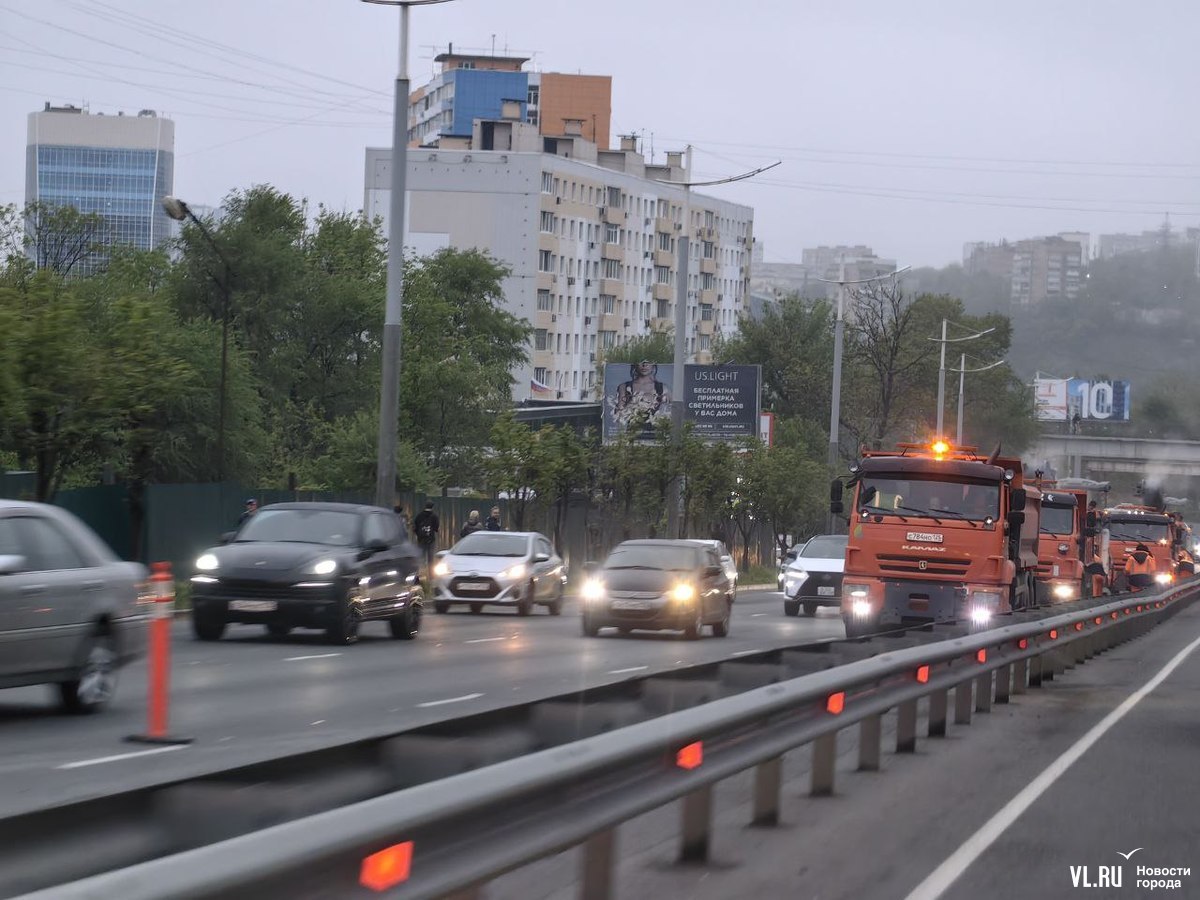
466 65
664 241
709 250
614 197
532 96
547 222
608 304
662 275
545 261
705 342
612 268
612 234
531 116
539 374
662 309
539 339
706 313
708 281
608 339
547 183
543 301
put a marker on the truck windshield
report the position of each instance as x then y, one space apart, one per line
1058 519
929 498
1137 530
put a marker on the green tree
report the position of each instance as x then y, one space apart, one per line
348 462
561 459
511 465
61 238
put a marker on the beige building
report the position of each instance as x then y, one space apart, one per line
591 237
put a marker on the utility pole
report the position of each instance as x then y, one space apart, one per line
941 397
675 518
962 372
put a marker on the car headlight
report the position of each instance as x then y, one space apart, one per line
683 593
207 562
441 568
593 589
324 567
514 572
1064 591
1164 578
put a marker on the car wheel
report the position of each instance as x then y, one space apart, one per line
791 607
590 628
441 607
207 628
476 608
525 604
407 625
97 681
344 629
721 629
693 629
278 630
555 606
810 609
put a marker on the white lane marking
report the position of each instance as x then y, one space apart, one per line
630 669
941 878
756 615
746 652
314 656
100 760
461 699
485 640
319 722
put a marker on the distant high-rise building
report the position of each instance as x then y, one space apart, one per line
1045 269
473 86
1111 245
116 165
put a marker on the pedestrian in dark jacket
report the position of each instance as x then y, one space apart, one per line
472 524
425 529
493 521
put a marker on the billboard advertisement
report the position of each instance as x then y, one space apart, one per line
1063 399
721 402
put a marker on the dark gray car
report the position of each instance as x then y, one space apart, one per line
69 608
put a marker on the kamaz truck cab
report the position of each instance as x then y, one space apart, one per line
938 534
1130 525
1062 546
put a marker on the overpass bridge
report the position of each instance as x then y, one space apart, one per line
1084 456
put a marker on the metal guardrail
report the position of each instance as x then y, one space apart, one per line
449 837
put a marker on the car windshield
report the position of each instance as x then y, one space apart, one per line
302 526
1137 530
1058 519
483 543
929 498
825 548
662 557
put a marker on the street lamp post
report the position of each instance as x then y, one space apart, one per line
962 372
674 512
389 388
943 340
839 331
179 211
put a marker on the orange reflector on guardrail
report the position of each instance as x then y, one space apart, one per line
923 674
1139 609
1023 644
1054 634
691 756
981 656
836 703
1099 619
1079 626
1114 615
387 868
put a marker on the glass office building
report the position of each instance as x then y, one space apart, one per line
118 166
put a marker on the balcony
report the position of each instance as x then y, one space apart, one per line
611 322
664 226
663 292
661 324
708 266
613 251
613 286
613 215
708 297
706 326
664 258
542 359
544 318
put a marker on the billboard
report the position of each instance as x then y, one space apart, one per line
1062 399
721 402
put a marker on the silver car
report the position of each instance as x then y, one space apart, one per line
727 561
501 568
70 610
814 577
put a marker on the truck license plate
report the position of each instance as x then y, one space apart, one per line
253 605
825 591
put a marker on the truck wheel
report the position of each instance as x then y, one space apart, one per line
791 607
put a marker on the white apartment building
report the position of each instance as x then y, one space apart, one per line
590 236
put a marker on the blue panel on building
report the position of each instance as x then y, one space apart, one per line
478 94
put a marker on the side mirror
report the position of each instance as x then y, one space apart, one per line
835 497
228 537
10 564
1016 502
1016 518
542 557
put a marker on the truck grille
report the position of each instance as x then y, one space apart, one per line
902 563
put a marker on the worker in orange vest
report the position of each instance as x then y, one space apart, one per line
1139 568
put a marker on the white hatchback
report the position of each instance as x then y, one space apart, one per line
500 568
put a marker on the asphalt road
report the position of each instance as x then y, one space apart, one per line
978 808
249 698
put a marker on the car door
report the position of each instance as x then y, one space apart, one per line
51 600
381 568
544 586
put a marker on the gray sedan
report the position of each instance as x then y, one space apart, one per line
69 608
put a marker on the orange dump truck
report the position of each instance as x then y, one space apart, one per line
938 534
1130 525
1064 549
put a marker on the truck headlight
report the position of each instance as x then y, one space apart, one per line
592 589
1164 578
861 608
1064 591
989 600
981 615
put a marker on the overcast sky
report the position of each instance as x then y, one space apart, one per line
911 127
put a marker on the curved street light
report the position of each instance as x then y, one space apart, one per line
180 211
681 294
962 371
944 340
389 388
